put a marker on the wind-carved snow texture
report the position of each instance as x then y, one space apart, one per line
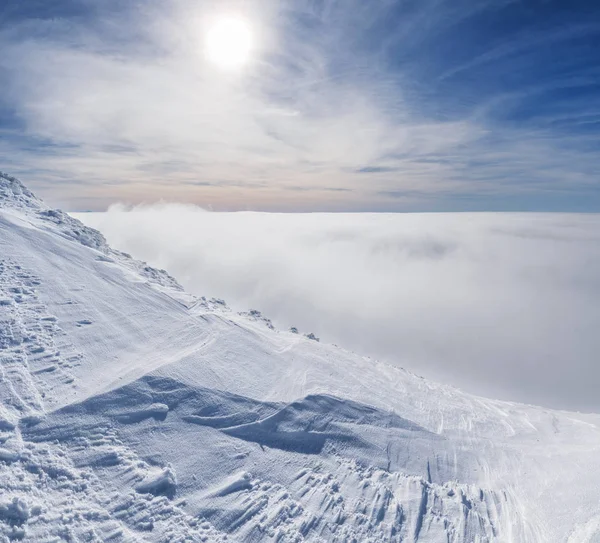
132 411
330 498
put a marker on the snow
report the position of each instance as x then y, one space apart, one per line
133 411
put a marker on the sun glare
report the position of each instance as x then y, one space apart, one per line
229 42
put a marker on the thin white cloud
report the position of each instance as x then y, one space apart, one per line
499 304
132 102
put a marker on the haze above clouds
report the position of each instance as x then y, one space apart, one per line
498 304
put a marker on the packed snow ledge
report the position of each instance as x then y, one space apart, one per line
133 411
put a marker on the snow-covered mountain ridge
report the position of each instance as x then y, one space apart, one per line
132 411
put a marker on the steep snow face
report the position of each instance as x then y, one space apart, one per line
14 194
132 411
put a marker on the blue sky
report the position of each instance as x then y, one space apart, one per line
346 105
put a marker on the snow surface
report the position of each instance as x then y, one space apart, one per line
132 411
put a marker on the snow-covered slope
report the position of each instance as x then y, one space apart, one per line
132 411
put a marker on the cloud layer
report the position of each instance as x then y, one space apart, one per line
499 304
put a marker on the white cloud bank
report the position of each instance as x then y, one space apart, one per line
499 304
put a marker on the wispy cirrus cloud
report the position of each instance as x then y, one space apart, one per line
355 102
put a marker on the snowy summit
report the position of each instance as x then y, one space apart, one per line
133 411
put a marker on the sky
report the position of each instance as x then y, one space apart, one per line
342 105
500 305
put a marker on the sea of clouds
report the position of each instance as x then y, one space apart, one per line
503 305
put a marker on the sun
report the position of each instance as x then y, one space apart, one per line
229 42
